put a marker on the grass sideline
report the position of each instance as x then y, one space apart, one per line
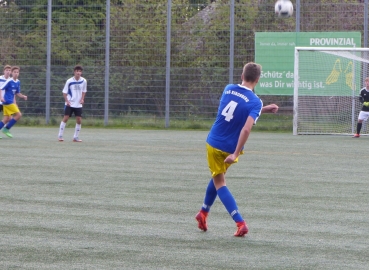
266 122
126 199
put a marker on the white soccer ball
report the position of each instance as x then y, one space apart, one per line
283 8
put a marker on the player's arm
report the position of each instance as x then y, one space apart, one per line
3 87
244 135
271 108
2 95
65 95
363 100
21 96
84 90
83 97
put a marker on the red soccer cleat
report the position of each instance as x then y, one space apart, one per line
356 136
201 219
242 229
77 140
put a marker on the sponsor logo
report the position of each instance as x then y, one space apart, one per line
332 41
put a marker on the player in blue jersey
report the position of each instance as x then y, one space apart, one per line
11 111
74 93
238 111
3 79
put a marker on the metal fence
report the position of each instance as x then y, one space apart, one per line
149 59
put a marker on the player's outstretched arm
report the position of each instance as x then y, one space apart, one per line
22 96
271 108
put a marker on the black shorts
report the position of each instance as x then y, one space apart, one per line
69 111
1 107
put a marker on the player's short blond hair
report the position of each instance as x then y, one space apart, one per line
7 67
367 79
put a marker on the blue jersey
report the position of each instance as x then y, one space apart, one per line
236 105
11 88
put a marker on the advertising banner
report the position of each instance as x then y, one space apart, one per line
275 52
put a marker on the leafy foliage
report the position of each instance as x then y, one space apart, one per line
200 45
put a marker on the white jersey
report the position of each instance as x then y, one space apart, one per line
2 83
74 90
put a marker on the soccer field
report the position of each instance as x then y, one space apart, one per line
126 199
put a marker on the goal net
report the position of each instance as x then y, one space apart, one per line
327 83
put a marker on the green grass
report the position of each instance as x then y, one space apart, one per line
126 199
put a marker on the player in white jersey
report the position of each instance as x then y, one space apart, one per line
4 78
74 93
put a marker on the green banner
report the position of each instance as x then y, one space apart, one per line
275 52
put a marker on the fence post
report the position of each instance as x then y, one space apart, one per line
167 69
107 62
231 42
365 68
48 61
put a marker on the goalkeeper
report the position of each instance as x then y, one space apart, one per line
364 113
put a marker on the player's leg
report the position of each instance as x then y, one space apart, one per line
13 110
1 109
226 197
77 129
358 128
224 193
218 169
5 120
216 165
210 196
230 204
362 116
67 114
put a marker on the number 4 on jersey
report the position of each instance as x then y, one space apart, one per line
229 110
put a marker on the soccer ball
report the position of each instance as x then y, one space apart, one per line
283 8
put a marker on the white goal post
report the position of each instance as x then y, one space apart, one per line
327 83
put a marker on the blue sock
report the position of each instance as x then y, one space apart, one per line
230 203
11 123
210 196
1 125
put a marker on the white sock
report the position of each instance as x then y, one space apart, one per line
61 129
77 130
